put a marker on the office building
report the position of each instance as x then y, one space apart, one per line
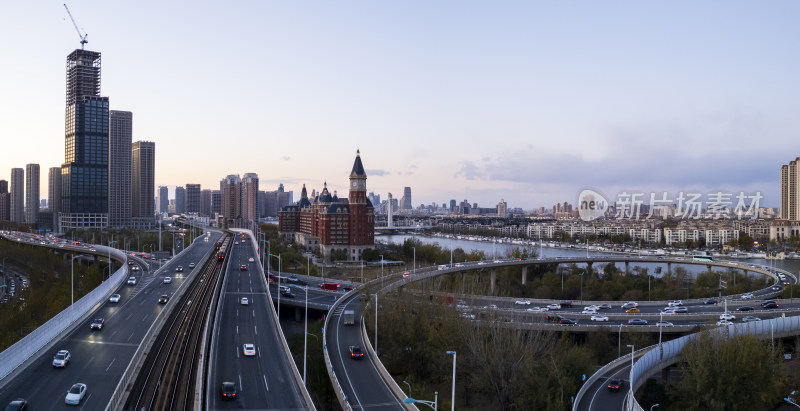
32 182
143 183
790 191
193 198
502 207
274 201
180 200
250 197
17 195
84 174
405 202
163 199
120 138
339 230
231 189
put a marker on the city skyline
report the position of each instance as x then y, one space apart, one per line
526 102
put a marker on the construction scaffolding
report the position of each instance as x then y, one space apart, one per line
83 75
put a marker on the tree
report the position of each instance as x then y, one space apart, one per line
717 370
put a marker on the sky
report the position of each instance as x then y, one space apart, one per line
526 101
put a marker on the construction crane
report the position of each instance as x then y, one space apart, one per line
82 36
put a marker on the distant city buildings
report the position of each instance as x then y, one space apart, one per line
193 198
238 200
143 173
5 201
163 199
405 201
180 200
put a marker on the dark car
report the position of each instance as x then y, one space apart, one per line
769 304
356 353
745 308
163 299
243 267
97 324
614 384
179 269
567 321
17 405
287 293
566 304
712 301
228 390
637 321
553 318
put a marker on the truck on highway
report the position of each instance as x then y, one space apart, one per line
329 286
349 317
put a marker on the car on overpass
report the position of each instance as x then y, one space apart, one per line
75 394
97 324
245 301
746 308
163 299
637 321
61 359
769 304
599 317
750 318
249 350
114 298
228 390
614 384
20 404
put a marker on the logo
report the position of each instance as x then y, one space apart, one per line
591 205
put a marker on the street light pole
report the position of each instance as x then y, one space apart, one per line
305 338
453 396
415 259
376 323
631 382
653 406
409 387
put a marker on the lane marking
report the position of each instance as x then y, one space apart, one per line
265 382
109 365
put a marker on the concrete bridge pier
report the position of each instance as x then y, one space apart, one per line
627 268
524 274
669 268
589 267
709 267
493 281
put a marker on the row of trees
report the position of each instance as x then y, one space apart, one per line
48 291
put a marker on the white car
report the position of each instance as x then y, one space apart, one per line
675 303
592 307
245 301
251 259
664 324
588 310
75 394
598 317
249 350
61 359
724 322
167 280
747 296
191 265
522 302
553 307
132 281
135 268
537 309
727 317
114 298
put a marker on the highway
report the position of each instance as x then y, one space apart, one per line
265 380
99 358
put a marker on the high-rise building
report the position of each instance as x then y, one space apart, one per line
32 182
143 174
274 201
250 197
216 202
502 208
452 206
405 202
790 191
17 195
193 198
5 201
180 200
120 138
205 203
54 193
231 189
84 203
163 199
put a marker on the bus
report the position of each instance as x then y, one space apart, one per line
701 257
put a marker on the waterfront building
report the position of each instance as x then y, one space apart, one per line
339 229
790 191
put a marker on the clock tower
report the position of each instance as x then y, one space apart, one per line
358 182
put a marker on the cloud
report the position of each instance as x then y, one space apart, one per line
377 173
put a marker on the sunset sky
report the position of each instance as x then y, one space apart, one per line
530 101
